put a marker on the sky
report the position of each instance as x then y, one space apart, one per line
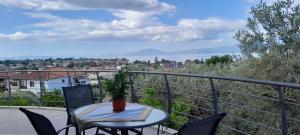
101 27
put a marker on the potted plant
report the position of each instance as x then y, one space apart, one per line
117 89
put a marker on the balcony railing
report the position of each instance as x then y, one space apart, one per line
253 106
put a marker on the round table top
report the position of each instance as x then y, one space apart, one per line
155 117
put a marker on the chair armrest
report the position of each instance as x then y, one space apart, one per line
68 126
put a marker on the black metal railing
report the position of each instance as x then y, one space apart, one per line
253 106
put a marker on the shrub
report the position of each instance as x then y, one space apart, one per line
53 99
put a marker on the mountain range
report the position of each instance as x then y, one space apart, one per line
214 50
146 53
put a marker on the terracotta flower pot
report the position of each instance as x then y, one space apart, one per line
119 105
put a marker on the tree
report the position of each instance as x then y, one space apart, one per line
219 59
156 60
271 28
71 65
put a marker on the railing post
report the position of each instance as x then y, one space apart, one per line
284 126
100 87
41 88
69 79
214 96
168 91
133 92
9 86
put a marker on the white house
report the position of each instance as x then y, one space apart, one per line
30 81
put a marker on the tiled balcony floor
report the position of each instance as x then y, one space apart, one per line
14 122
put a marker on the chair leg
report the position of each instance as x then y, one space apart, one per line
68 123
114 131
158 129
97 131
142 131
67 131
83 132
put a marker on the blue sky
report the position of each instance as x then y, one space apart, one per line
99 27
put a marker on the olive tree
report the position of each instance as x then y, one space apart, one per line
271 28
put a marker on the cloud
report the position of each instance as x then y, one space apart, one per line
39 4
135 5
14 36
129 25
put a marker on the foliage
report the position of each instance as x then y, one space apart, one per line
219 59
152 98
53 98
117 87
271 28
177 118
149 98
18 99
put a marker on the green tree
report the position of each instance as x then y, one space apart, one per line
219 59
271 28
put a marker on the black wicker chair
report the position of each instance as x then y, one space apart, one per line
78 96
207 126
41 124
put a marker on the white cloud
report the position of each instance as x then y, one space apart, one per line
135 5
14 36
130 25
135 20
39 4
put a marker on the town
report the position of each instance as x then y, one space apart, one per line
54 78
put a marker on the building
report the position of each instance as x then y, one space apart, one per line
34 81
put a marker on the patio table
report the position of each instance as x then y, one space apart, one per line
134 116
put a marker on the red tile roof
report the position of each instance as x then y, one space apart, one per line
44 75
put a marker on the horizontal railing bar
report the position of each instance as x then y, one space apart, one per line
197 107
256 123
177 121
60 71
264 82
249 108
251 95
53 101
265 98
193 96
254 109
182 113
206 89
234 129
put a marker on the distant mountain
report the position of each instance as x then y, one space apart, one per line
227 49
146 52
213 50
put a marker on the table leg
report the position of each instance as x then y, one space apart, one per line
124 131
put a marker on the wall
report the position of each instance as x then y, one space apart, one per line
58 83
36 89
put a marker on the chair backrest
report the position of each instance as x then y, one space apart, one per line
78 96
41 124
206 126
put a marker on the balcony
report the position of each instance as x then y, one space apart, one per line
15 122
253 106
